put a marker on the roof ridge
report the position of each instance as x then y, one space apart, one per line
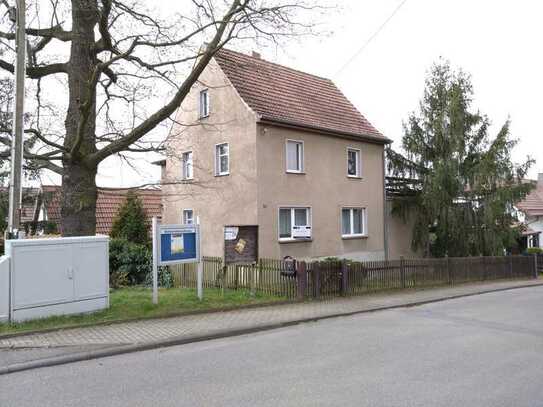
260 59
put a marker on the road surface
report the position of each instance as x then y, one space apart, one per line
479 351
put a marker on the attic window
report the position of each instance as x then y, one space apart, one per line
204 103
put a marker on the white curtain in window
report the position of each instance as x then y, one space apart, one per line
221 157
187 165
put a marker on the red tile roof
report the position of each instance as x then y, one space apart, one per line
108 204
285 96
532 205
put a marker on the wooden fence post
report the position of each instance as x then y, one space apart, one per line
301 279
402 271
510 266
236 276
316 280
252 278
483 261
344 277
448 268
223 282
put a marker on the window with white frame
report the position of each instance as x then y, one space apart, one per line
204 103
353 222
353 162
222 159
186 161
295 156
188 216
294 223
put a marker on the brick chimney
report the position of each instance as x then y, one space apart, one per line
257 55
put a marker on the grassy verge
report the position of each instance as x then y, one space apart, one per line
135 303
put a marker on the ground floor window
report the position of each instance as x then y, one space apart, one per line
294 223
188 216
353 222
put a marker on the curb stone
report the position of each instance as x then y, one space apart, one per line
123 349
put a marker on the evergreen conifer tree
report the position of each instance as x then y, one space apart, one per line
130 223
462 183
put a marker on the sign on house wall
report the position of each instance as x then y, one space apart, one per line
240 244
178 244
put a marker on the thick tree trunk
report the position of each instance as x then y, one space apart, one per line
78 202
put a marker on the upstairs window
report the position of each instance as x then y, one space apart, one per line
294 223
353 162
222 159
187 171
204 103
188 217
295 156
353 222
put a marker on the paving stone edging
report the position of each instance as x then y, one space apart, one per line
123 349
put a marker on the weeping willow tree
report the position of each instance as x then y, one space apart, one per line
462 183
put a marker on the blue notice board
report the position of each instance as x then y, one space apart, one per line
178 244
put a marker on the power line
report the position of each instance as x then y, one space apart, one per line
370 39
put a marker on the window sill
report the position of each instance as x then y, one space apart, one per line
203 117
295 172
354 177
223 175
187 180
352 237
292 240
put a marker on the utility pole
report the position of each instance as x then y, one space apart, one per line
15 188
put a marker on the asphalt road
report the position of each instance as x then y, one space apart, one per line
479 351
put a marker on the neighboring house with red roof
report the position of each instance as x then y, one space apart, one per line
257 143
108 204
532 208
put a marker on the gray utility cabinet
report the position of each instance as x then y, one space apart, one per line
58 276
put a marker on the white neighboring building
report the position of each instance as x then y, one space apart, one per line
532 208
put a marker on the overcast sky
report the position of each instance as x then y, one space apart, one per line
498 42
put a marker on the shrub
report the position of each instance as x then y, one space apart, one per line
118 279
135 260
534 250
165 278
50 228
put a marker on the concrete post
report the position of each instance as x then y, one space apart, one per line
15 186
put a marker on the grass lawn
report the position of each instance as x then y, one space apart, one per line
133 303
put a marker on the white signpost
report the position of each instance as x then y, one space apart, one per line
176 244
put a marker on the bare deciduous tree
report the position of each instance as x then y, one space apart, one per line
100 63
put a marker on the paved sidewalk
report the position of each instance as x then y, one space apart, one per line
165 331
